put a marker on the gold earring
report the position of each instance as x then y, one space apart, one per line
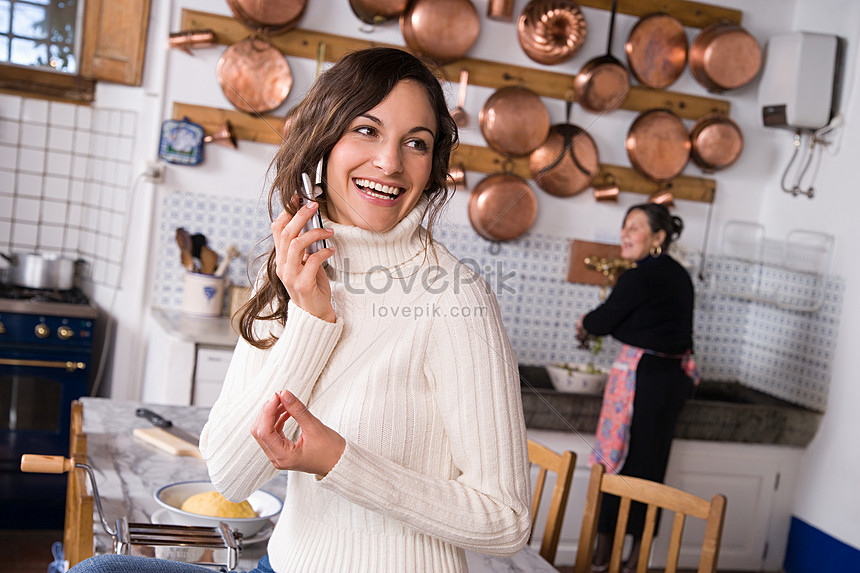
656 251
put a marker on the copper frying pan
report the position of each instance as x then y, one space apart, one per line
724 56
566 163
514 121
716 141
254 75
603 82
657 50
551 31
377 11
443 30
658 145
502 207
271 16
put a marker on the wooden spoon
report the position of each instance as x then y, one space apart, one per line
183 239
208 260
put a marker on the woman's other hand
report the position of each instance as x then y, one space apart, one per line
316 451
303 274
581 333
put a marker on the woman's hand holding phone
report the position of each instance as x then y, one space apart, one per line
302 273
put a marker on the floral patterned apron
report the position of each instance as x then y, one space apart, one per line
616 414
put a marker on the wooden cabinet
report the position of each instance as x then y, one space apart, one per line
210 368
758 481
114 40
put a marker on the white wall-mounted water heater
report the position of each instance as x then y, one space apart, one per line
799 87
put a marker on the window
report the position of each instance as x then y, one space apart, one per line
40 33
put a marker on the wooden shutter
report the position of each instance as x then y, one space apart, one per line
114 40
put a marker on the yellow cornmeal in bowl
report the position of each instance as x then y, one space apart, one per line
214 504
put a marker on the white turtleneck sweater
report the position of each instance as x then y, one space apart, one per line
420 379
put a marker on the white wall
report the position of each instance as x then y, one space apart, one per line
749 190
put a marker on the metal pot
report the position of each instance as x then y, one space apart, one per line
717 142
377 11
566 163
724 56
603 82
271 16
254 75
658 145
657 50
443 30
45 270
502 207
514 121
551 31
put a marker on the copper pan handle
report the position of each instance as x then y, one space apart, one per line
39 464
69 366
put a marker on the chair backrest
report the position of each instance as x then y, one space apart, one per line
562 465
78 531
655 495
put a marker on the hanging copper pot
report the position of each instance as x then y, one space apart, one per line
377 11
254 75
443 30
658 145
271 16
500 10
657 50
724 56
551 31
566 163
603 82
502 207
514 121
717 142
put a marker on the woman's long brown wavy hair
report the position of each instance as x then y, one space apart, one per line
358 82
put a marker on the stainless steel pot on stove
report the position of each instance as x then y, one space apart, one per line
41 270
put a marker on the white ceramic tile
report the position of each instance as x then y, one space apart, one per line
103 228
59 163
31 160
109 172
115 121
9 131
82 142
120 199
61 138
77 191
96 169
73 215
10 106
33 135
114 250
87 242
8 157
122 175
24 234
71 238
29 185
51 238
63 114
100 121
56 188
79 166
129 123
83 117
34 111
53 212
125 149
98 146
27 209
118 226
99 271
6 205
5 233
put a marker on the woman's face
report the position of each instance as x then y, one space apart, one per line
379 168
636 236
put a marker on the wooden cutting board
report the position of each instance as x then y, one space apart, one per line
167 442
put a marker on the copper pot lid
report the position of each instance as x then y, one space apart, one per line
377 11
514 121
443 30
566 163
502 207
254 75
657 50
717 142
658 145
551 31
273 16
724 56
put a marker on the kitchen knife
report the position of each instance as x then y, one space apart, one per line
167 426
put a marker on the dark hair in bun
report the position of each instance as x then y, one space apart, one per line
659 219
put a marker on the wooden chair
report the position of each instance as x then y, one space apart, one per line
654 495
562 465
78 530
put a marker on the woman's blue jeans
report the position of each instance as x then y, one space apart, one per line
132 564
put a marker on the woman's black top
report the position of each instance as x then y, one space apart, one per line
651 307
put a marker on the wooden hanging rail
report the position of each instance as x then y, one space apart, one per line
692 14
303 44
268 129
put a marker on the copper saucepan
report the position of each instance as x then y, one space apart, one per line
443 30
500 10
603 82
377 11
269 16
254 75
657 50
658 145
502 207
717 142
724 56
566 163
551 31
514 121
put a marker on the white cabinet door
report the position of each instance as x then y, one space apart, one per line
209 373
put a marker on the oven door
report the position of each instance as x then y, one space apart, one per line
37 387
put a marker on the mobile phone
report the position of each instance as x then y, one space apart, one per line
312 191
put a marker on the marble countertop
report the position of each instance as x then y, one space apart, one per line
128 471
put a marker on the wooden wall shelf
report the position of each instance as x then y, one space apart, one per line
268 129
304 43
692 14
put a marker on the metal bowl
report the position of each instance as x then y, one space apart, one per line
172 496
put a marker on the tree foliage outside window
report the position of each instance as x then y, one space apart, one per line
40 33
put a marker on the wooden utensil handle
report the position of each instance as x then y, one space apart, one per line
35 463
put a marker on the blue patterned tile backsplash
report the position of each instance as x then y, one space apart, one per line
769 327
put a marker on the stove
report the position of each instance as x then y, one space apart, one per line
46 348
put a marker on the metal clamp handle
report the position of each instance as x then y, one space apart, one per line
69 366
